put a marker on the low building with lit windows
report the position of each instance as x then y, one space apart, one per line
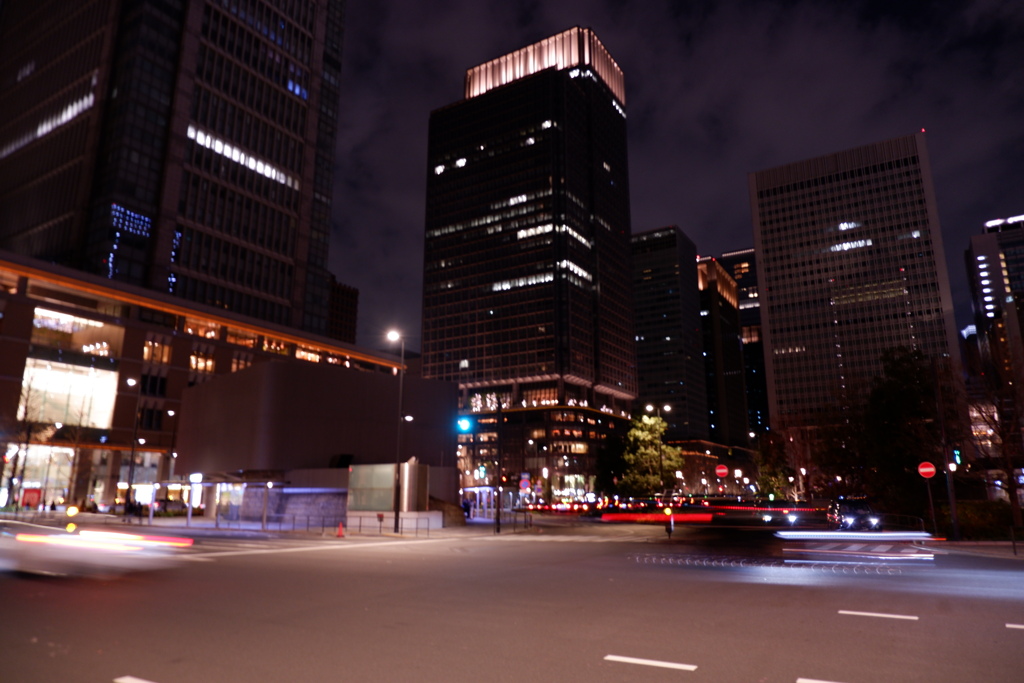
93 372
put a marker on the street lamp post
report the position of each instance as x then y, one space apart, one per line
172 454
951 492
394 336
131 462
661 446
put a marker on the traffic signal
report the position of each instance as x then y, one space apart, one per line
464 424
956 455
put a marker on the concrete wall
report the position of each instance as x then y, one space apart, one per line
293 415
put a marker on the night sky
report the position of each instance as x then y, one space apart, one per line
715 90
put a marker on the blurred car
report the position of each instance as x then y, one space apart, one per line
853 514
781 512
37 549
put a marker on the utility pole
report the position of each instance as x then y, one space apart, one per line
497 487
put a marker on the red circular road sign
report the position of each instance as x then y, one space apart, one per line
926 470
722 471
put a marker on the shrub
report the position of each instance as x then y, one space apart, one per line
979 520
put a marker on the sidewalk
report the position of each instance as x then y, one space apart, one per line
1002 549
204 526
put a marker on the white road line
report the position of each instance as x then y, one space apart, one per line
131 679
650 662
1021 626
879 614
883 548
308 548
812 680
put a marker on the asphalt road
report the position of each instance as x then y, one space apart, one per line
567 603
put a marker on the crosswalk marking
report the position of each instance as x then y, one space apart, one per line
882 550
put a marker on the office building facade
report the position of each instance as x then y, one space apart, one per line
742 266
93 374
851 264
669 338
185 146
995 267
723 354
527 286
995 353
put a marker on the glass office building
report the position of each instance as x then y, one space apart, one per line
527 282
184 146
851 264
669 337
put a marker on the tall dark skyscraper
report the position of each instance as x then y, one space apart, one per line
183 145
723 354
995 268
742 266
527 296
669 339
851 264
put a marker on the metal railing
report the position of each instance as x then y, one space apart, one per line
364 524
902 522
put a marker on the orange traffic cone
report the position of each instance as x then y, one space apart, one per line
341 530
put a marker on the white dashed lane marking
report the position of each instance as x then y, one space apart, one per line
651 662
880 615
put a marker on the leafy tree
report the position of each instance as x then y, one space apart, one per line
649 463
610 464
773 467
901 430
840 459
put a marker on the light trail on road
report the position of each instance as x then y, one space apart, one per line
880 615
651 662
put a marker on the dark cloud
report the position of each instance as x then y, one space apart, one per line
715 90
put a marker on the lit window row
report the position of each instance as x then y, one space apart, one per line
576 270
130 221
523 282
483 220
211 142
49 124
846 246
989 224
572 233
527 233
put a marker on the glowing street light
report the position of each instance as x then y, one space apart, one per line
131 381
394 336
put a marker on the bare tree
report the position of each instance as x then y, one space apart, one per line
997 404
27 431
75 433
998 411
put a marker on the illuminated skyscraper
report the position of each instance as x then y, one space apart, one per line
851 264
183 145
995 268
527 296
